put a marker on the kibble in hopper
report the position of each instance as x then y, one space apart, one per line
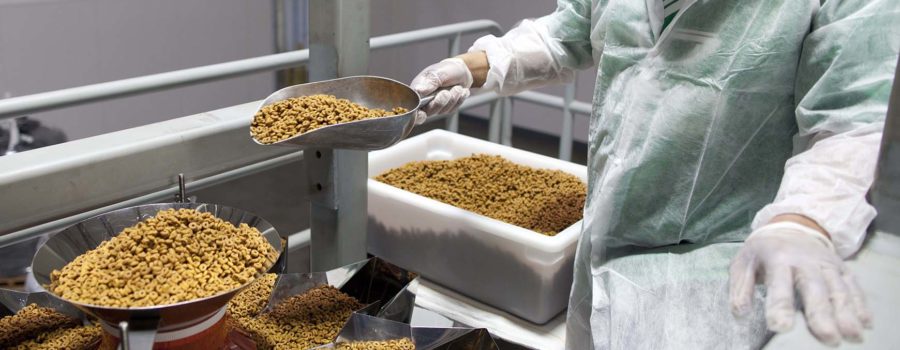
143 322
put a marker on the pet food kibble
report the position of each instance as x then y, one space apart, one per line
541 200
31 321
78 338
175 256
284 119
394 344
303 321
251 301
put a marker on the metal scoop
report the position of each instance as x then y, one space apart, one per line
367 134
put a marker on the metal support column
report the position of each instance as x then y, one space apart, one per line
339 46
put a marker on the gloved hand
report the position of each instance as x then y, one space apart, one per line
450 73
788 255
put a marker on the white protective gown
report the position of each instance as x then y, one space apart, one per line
740 110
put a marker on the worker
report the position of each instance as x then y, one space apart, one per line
739 134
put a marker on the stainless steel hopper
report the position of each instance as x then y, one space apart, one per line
139 325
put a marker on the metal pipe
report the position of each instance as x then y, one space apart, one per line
426 34
44 101
278 10
543 99
126 87
494 122
565 136
453 119
35 231
506 121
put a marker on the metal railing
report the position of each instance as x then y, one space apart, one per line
105 196
17 106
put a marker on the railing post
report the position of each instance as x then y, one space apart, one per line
453 120
506 122
565 136
494 121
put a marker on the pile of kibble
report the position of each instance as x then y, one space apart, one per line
303 321
251 301
175 256
545 201
394 344
36 327
284 119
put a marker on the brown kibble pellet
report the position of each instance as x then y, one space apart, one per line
393 344
541 200
175 256
284 119
303 321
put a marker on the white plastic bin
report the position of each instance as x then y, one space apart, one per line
509 267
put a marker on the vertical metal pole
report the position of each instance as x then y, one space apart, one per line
453 120
339 46
279 31
565 137
886 190
506 122
494 121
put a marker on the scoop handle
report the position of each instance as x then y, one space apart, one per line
427 99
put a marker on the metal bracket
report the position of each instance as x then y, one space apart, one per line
181 195
138 334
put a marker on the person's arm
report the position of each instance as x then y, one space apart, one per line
842 90
536 52
820 214
539 52
478 65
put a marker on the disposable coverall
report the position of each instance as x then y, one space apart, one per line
735 113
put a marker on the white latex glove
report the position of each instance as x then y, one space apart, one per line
451 74
788 255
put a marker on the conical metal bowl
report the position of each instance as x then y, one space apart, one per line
74 241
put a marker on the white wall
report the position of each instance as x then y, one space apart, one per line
53 44
389 16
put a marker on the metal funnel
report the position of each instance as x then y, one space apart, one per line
66 245
367 134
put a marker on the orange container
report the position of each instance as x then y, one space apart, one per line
207 334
